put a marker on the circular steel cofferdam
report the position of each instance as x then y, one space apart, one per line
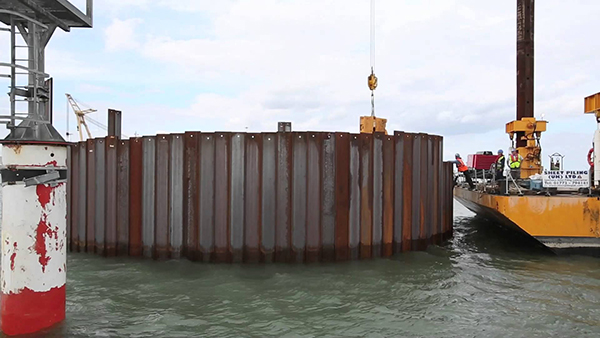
259 197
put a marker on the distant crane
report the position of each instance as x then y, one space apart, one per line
80 114
81 119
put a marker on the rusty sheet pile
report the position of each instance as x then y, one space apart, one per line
265 197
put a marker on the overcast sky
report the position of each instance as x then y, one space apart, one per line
444 67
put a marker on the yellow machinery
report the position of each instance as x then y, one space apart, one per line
564 222
592 105
528 131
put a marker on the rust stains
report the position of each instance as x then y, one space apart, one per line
594 215
15 147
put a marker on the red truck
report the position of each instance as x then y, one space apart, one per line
481 160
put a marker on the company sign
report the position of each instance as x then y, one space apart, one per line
566 179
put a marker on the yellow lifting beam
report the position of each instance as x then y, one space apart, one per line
592 105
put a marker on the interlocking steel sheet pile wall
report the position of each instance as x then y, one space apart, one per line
266 197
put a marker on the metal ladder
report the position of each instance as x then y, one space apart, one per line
36 91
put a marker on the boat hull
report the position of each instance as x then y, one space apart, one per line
564 224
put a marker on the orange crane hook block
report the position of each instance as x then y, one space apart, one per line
372 81
372 124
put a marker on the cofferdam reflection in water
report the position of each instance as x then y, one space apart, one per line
482 283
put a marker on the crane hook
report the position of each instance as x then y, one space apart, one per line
372 80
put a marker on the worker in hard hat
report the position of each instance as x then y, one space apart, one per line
500 163
514 162
462 168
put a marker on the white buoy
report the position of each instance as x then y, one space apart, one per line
34 237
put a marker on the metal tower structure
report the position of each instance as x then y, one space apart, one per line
525 63
35 21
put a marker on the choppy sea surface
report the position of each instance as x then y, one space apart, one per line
481 283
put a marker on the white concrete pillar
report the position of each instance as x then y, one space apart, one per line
34 237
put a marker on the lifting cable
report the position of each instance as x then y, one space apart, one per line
372 79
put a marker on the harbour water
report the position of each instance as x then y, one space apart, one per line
482 283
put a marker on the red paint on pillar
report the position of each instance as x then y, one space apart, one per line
13 256
12 261
30 311
43 191
49 164
43 231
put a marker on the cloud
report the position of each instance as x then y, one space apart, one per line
443 71
120 35
90 88
312 57
211 112
67 65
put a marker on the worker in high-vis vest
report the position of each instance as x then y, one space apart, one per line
514 162
463 169
500 162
